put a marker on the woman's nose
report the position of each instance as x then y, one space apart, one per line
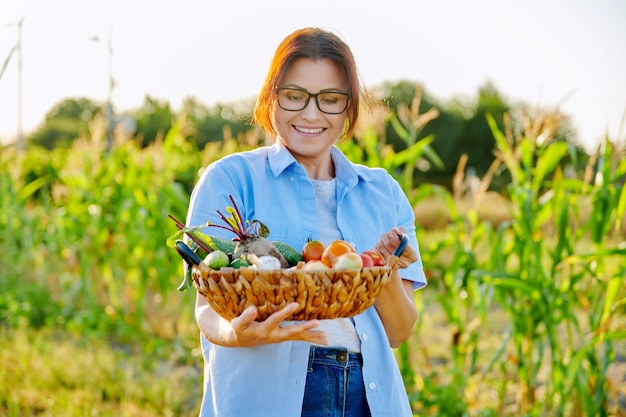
311 112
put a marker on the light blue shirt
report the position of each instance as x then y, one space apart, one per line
268 184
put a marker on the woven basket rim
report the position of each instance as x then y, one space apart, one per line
321 294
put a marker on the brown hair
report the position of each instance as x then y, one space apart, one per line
313 43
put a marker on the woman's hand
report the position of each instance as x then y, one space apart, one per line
389 242
395 303
252 333
244 331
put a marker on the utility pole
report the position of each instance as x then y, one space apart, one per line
17 49
20 130
108 108
109 111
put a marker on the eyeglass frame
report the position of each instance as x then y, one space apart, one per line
317 103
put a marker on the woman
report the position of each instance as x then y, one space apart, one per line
303 187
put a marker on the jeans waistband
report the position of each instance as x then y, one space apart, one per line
337 354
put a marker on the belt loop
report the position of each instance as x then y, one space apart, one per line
311 358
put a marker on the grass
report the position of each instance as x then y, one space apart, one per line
59 373
46 373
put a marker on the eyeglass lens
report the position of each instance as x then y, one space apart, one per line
328 102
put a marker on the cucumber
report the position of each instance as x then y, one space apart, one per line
211 243
224 245
291 255
239 262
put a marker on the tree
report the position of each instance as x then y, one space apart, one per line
477 139
153 119
216 123
65 122
447 127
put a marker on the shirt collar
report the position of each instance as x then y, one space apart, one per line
280 159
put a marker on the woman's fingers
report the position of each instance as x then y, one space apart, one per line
305 331
252 333
274 320
245 319
299 331
388 243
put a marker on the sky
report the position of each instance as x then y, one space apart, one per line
566 54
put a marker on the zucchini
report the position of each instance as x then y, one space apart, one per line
291 255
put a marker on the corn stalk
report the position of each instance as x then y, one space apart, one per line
540 290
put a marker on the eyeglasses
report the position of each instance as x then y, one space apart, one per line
295 99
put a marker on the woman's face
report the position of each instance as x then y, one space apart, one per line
309 132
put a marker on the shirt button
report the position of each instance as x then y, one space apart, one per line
372 385
292 179
365 336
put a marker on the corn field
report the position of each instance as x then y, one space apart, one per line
523 316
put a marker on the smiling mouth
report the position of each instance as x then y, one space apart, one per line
309 131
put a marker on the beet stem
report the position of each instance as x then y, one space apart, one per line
198 241
178 222
239 218
230 227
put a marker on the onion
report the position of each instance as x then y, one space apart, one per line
263 262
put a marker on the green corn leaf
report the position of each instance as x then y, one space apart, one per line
498 135
413 152
563 231
398 127
527 149
372 147
507 281
430 152
140 198
583 383
30 188
620 211
574 365
548 161
610 295
591 256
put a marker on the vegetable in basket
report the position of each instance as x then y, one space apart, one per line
251 239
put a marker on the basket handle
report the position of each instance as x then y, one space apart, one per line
404 240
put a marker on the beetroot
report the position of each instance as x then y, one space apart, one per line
251 235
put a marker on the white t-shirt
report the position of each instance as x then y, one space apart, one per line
340 332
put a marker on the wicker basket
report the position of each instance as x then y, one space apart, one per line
323 294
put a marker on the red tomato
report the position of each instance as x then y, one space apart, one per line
376 257
368 262
334 250
313 250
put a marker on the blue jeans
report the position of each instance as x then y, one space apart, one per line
334 384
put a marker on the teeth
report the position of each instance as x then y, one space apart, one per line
305 130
